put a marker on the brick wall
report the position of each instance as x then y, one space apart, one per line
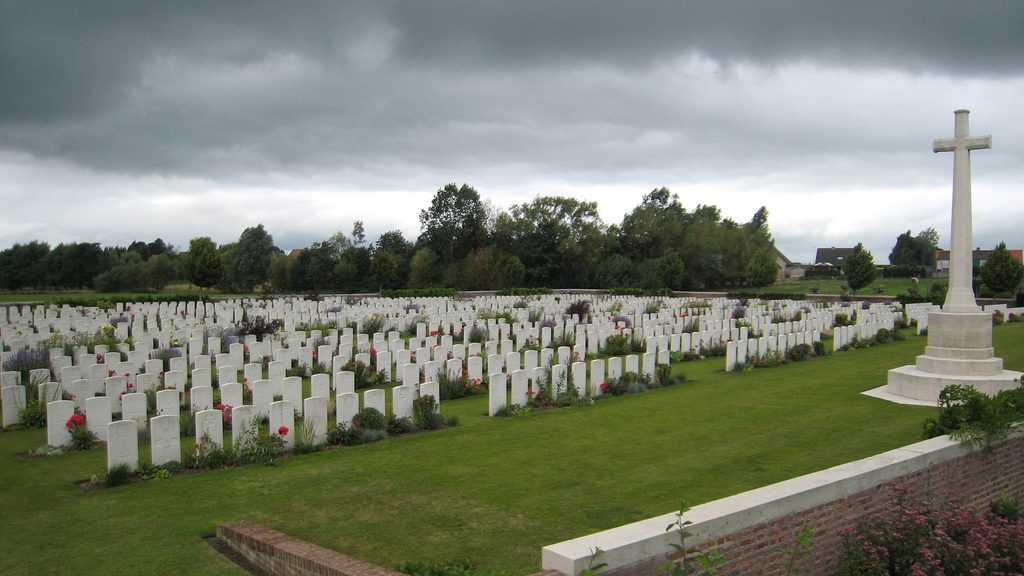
750 528
282 555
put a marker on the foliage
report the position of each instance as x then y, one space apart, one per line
915 251
118 475
622 344
459 386
255 445
252 256
26 360
707 561
799 353
524 291
33 414
165 355
424 413
375 323
258 325
445 568
1006 508
454 224
365 377
915 538
304 443
203 267
400 425
628 383
81 437
801 549
1000 272
975 418
369 419
762 269
859 268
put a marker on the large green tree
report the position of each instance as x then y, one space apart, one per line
1001 272
762 270
859 268
251 257
455 223
203 267
557 239
916 250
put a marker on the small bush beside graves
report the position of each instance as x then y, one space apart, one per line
453 388
27 360
975 418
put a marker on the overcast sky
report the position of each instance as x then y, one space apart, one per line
124 121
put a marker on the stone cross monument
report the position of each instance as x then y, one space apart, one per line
959 347
960 297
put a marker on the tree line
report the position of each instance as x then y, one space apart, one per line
551 241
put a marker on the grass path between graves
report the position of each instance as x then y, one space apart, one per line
493 491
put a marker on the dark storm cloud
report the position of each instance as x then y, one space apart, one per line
376 96
227 86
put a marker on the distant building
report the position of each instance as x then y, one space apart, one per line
978 257
787 268
831 257
295 253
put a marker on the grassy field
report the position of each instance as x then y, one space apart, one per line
493 491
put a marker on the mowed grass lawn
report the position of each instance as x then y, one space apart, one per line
492 491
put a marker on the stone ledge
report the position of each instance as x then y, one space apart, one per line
280 554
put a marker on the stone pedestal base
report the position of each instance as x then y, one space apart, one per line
959 351
911 382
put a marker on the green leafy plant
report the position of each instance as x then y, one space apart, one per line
708 561
974 418
592 568
304 443
1006 508
800 549
424 413
33 414
370 419
118 475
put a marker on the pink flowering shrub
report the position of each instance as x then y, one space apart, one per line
914 538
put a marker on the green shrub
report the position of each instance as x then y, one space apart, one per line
799 353
304 439
424 413
398 426
369 419
580 308
118 475
628 383
365 377
375 323
1006 508
975 418
33 414
187 424
342 435
82 438
460 386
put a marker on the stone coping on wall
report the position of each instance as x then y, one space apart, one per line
632 543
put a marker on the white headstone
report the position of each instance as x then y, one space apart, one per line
164 439
123 444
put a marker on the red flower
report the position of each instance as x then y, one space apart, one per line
77 419
314 353
283 430
373 351
433 332
604 385
110 373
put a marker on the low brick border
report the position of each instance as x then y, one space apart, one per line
283 555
